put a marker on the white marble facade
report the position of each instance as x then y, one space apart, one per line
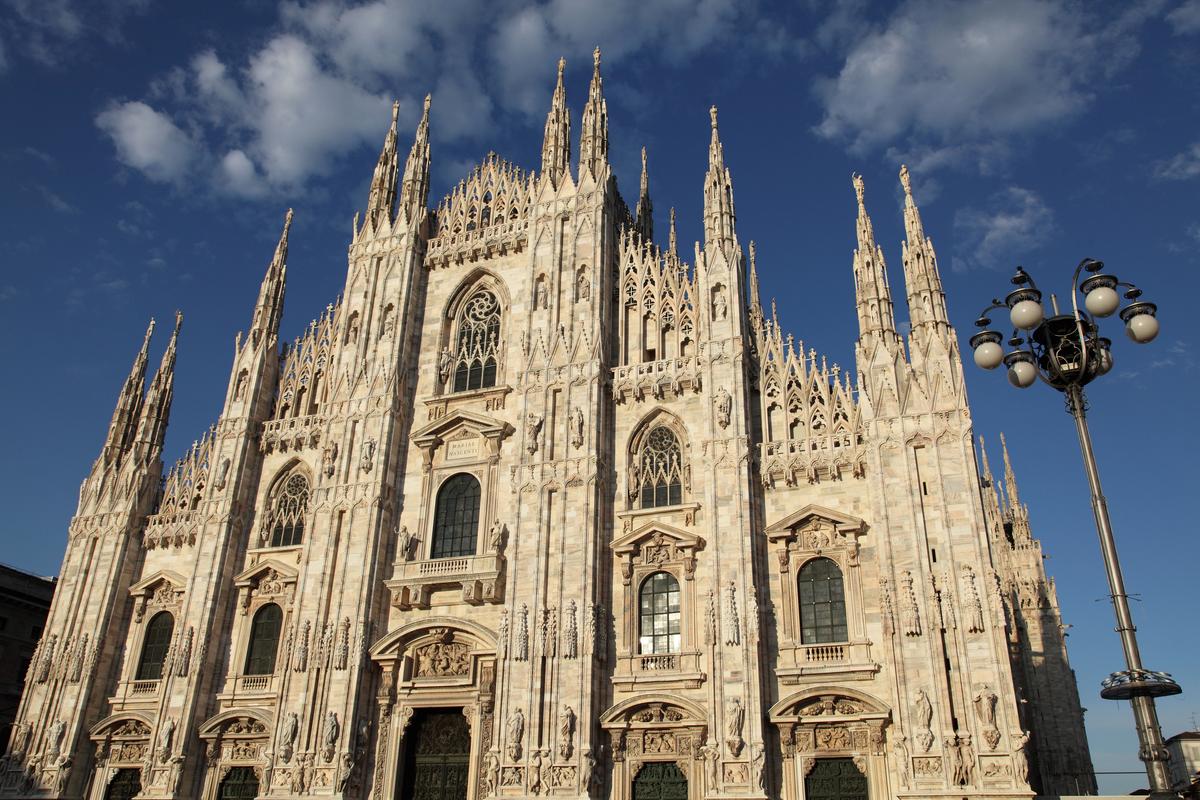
463 486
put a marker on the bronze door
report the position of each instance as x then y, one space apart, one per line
240 784
437 756
660 780
124 785
835 779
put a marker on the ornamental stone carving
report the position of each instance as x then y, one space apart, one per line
442 659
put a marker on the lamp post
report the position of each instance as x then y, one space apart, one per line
1066 351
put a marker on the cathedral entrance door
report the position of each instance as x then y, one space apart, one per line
240 784
660 780
124 785
835 779
437 756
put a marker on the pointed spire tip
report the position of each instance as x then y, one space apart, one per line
712 113
596 58
906 180
562 65
395 112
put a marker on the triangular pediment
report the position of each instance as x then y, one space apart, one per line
657 530
253 574
443 428
811 514
177 582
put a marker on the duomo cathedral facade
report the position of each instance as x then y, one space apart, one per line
539 509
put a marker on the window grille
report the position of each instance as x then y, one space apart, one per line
658 614
477 343
822 603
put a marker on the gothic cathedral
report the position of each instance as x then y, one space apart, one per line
538 509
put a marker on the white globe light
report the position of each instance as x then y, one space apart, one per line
1026 314
989 355
1102 301
1022 374
1142 328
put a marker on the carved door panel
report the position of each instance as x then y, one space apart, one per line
124 785
835 779
437 757
240 784
660 781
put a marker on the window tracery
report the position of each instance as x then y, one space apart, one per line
660 469
288 509
477 342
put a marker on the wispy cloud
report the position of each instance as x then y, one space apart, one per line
54 33
1180 167
954 82
1185 18
53 200
246 123
1003 233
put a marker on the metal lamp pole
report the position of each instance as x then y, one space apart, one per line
1066 352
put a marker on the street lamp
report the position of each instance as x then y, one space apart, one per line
1067 352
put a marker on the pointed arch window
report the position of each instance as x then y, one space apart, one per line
477 342
660 469
288 509
456 518
822 602
155 646
264 640
659 628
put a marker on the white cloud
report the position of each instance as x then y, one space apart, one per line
1185 18
239 175
1181 166
962 77
147 140
1015 222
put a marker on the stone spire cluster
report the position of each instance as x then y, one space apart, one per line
414 189
129 405
644 215
873 295
926 298
719 216
593 138
556 143
382 198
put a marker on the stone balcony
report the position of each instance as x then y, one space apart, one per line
658 379
500 238
292 433
813 459
479 577
849 661
680 670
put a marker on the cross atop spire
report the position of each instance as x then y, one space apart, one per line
414 190
383 183
593 139
556 144
645 209
719 215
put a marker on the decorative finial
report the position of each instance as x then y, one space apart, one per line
428 100
596 57
859 187
712 112
178 320
905 180
562 65
287 222
643 160
395 111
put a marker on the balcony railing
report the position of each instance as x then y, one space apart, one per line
670 375
658 662
254 683
144 687
822 653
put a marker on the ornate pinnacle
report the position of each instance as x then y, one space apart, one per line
712 112
906 182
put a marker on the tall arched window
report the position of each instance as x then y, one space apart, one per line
658 614
660 469
287 511
264 640
155 646
477 342
456 518
822 603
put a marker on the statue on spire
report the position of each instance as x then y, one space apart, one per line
556 143
906 181
593 139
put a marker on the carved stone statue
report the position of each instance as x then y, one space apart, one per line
859 188
535 772
54 739
735 721
712 760
445 362
330 738
566 733
576 422
923 711
165 735
516 732
291 727
758 773
542 297
496 537
491 775
720 306
724 405
900 749
985 706
583 287
1021 756
222 474
404 544
368 455
533 428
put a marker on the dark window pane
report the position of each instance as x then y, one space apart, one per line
456 518
155 646
264 640
822 603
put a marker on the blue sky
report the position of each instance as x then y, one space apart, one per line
150 150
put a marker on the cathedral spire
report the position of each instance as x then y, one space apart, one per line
719 216
129 403
672 242
382 198
755 305
556 144
645 209
593 139
414 189
152 427
269 308
872 293
926 299
1010 478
